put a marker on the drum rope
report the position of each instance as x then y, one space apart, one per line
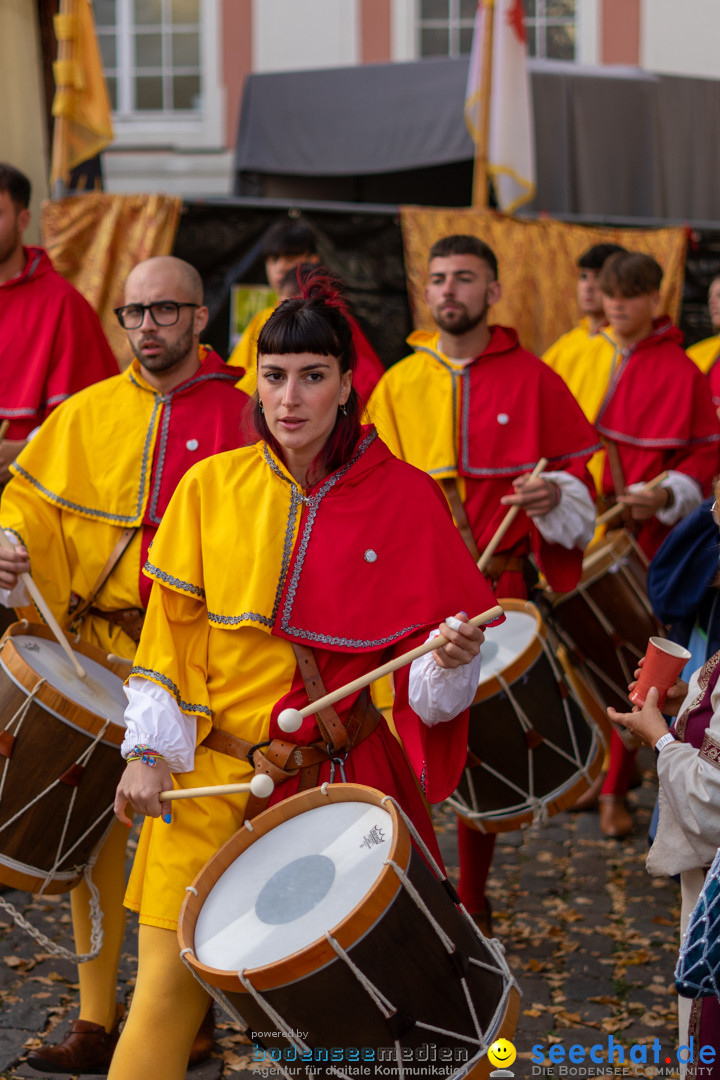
560 680
218 997
609 629
17 718
60 854
280 1023
96 932
417 838
634 585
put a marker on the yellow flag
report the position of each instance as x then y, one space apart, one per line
81 107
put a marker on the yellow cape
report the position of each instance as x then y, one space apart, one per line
705 353
245 352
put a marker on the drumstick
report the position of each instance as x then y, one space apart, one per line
507 521
618 508
45 611
261 786
291 719
113 658
3 430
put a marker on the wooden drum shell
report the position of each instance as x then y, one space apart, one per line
53 734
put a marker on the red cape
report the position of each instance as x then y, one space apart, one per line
422 573
659 412
51 345
201 417
369 368
514 410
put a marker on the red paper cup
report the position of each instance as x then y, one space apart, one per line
664 660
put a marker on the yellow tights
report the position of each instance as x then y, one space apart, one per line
98 978
168 1006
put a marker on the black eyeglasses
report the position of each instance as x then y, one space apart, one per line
162 313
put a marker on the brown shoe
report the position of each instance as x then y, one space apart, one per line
204 1040
589 799
615 818
87 1048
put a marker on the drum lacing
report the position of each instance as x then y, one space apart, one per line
60 855
611 632
217 996
281 1024
96 930
492 944
559 677
17 718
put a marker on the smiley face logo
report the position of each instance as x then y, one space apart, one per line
502 1053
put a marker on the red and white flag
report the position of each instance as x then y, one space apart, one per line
511 146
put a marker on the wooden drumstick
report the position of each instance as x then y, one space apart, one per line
3 430
291 719
261 786
45 611
507 520
113 658
618 508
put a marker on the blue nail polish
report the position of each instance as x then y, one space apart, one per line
167 818
465 614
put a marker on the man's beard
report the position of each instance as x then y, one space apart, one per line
461 323
10 248
169 357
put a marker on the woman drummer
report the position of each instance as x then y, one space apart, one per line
317 547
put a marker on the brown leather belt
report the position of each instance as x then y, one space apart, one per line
281 760
128 619
503 564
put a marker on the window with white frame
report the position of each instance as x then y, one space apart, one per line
158 57
550 26
444 27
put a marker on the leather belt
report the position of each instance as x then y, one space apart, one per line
503 564
128 619
280 759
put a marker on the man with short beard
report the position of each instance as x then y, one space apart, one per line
51 340
477 411
86 498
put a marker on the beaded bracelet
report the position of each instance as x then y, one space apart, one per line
146 754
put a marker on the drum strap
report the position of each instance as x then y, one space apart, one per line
618 479
114 558
331 726
280 759
452 494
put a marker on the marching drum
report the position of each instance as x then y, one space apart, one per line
326 936
60 738
532 747
605 623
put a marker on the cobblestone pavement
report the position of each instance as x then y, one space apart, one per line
591 938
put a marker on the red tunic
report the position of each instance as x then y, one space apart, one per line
51 344
514 410
658 410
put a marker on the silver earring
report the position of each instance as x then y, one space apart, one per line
262 408
343 410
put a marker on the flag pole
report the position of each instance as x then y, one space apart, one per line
480 193
59 172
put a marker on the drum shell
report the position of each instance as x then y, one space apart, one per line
386 937
54 733
614 580
500 753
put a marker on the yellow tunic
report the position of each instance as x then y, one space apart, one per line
705 353
70 499
585 362
245 352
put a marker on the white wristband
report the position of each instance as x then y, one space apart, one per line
663 741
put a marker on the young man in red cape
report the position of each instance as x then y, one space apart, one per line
477 411
657 416
51 340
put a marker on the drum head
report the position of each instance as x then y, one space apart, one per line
293 884
100 693
504 643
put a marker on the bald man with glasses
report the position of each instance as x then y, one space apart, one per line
85 500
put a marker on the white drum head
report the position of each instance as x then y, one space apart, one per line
292 885
100 693
504 643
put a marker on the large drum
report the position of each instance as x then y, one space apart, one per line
329 939
60 763
606 621
533 749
